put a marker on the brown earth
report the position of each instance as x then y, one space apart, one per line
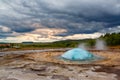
47 66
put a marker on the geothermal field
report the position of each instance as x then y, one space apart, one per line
60 64
80 63
59 40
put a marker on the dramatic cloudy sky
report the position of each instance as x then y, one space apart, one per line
51 20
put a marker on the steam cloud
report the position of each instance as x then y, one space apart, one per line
100 45
82 46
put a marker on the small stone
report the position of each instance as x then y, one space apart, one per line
70 69
55 71
60 77
80 71
63 66
42 74
97 67
38 69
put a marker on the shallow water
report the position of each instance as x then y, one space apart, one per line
32 51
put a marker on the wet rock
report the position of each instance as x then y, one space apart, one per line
60 77
12 56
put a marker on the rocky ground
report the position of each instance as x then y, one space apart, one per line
47 66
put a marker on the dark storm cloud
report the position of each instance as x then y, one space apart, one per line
76 16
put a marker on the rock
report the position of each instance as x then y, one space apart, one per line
11 79
80 71
38 68
55 71
12 56
97 67
20 66
3 78
63 66
70 69
60 77
40 74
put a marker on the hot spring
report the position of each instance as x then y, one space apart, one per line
78 54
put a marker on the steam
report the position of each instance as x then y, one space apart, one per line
82 46
100 45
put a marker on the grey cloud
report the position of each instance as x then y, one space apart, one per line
76 16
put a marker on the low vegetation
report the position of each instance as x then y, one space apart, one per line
112 39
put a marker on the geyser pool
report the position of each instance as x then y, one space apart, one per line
78 54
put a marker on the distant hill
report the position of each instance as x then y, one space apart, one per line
112 39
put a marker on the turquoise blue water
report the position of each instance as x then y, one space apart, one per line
77 54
